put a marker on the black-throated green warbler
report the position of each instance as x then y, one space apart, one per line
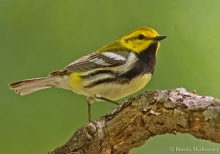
110 73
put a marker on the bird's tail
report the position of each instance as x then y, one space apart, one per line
28 86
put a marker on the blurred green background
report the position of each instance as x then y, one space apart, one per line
37 37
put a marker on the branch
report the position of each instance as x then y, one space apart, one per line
149 114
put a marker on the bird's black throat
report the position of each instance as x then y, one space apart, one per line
144 65
147 59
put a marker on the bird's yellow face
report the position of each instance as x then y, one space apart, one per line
140 39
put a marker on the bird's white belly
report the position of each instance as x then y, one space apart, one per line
114 91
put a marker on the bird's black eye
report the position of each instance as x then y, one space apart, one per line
140 37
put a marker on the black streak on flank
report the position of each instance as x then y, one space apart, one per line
98 72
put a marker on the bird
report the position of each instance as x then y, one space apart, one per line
112 72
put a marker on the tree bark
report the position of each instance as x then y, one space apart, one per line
149 114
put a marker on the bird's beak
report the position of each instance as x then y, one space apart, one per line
159 38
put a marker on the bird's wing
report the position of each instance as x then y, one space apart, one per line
95 60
